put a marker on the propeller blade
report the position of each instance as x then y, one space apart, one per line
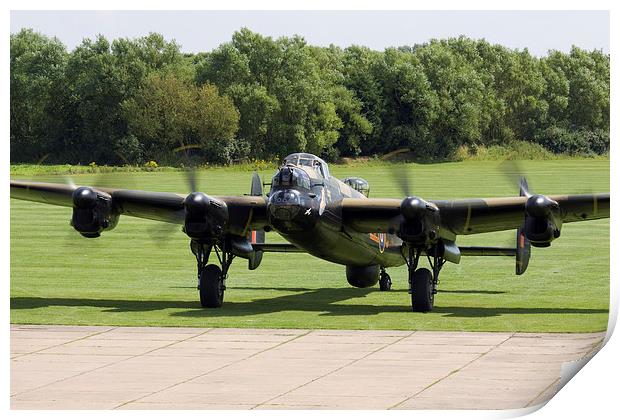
400 171
190 171
162 233
524 189
515 174
69 181
108 177
401 174
191 179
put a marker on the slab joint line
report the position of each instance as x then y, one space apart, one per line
334 370
111 363
451 373
66 342
212 370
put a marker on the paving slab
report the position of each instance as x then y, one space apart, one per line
83 367
365 333
72 329
60 361
266 363
258 331
63 404
352 386
177 363
244 338
316 337
330 402
183 406
223 345
197 394
69 350
177 350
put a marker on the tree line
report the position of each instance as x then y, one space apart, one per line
134 100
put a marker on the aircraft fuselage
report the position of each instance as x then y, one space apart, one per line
304 207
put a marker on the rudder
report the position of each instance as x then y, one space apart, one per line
256 236
524 247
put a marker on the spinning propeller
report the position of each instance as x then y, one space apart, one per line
421 218
537 205
542 221
93 209
205 216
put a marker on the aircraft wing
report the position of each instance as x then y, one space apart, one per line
471 215
245 212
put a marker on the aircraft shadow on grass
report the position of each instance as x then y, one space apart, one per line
326 301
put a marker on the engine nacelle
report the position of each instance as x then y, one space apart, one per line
366 276
420 225
542 220
93 212
205 217
540 232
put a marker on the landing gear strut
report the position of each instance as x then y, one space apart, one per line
423 283
385 282
211 278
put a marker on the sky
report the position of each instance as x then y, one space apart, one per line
195 31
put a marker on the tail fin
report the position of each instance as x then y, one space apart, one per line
523 244
256 236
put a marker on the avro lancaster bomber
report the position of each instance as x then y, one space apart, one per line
331 219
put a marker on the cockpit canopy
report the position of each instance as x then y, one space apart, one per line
291 177
358 184
310 161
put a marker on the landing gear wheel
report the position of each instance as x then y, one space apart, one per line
385 282
422 296
211 287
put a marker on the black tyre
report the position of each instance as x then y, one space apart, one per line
211 287
385 282
422 290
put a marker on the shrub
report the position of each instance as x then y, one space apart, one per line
574 142
514 150
129 150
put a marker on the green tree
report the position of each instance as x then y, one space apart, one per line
283 93
168 113
100 76
362 69
255 96
37 65
215 122
460 98
257 108
588 75
558 89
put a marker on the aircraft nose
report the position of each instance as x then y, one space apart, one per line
291 211
285 205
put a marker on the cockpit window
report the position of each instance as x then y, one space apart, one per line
289 176
308 160
358 184
305 162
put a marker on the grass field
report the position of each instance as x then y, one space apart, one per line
126 277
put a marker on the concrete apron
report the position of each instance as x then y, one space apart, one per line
87 367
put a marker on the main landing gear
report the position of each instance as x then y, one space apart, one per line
211 277
423 282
